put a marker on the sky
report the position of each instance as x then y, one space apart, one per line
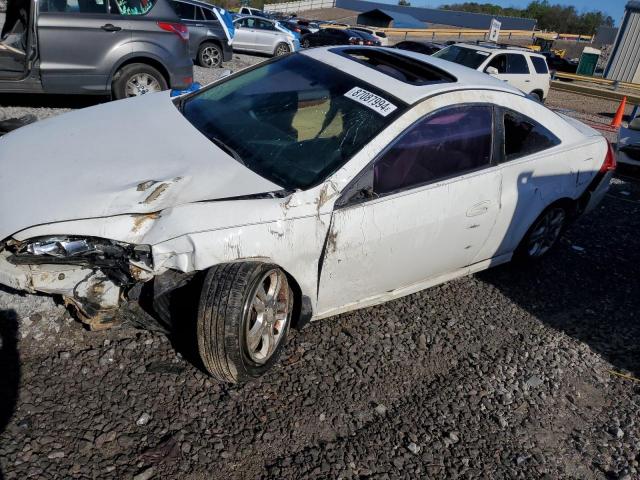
615 8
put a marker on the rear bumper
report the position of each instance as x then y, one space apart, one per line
596 192
181 74
227 52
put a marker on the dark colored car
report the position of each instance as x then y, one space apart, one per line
331 36
208 42
124 48
559 64
419 46
295 27
367 38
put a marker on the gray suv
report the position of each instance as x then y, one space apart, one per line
208 43
120 47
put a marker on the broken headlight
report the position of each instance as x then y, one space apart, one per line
59 247
118 259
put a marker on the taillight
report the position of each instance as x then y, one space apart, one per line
355 41
609 161
179 29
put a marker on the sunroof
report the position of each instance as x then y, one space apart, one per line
400 67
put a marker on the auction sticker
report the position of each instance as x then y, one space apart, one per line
371 100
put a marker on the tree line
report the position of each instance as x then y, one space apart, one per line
554 17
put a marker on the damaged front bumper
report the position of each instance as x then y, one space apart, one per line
92 275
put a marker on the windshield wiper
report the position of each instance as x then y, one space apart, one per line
220 144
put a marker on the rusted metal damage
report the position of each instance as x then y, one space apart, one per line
156 193
140 220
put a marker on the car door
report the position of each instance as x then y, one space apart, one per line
513 69
266 34
76 40
423 208
245 36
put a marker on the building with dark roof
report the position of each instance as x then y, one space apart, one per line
379 17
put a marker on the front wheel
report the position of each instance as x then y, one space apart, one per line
543 234
209 55
243 319
137 79
306 43
281 49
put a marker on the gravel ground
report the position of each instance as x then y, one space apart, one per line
511 373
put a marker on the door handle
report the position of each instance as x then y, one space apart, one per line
527 81
479 209
198 25
110 28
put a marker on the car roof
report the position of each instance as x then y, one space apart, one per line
464 78
198 3
489 48
257 17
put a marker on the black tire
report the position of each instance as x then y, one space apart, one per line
526 251
225 317
306 43
209 55
129 72
537 96
281 49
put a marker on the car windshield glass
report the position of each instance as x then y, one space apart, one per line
294 120
464 56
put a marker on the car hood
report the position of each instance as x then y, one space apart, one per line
131 156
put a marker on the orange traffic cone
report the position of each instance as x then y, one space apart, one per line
617 119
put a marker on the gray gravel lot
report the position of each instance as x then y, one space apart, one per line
512 373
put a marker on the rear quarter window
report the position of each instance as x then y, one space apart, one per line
524 136
134 7
540 64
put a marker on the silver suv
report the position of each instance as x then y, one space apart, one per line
120 47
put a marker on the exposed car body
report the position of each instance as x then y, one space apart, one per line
263 35
94 47
331 36
628 144
209 41
379 34
310 185
520 67
419 46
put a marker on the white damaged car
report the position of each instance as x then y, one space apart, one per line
310 185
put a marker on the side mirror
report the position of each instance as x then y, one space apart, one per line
635 124
492 70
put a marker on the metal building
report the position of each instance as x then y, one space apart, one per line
624 62
387 18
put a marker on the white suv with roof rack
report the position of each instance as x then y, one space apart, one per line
518 66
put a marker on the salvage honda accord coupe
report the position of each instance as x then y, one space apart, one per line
312 184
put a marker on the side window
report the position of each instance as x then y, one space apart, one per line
185 11
539 64
264 25
73 6
199 14
517 64
499 62
524 136
134 7
444 144
208 14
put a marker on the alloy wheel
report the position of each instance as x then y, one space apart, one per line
210 57
282 50
546 232
267 313
140 84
